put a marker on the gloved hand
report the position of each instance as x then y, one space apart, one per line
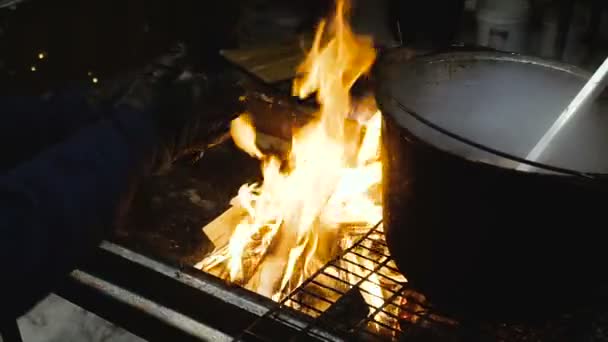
189 109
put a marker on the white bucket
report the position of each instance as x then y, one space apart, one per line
503 24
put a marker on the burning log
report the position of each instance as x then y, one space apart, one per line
221 229
275 114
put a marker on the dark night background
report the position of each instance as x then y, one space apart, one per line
82 40
111 36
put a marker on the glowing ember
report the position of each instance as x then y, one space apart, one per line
326 195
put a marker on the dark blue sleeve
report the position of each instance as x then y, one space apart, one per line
57 205
29 124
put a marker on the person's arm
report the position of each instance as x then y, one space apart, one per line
28 124
57 206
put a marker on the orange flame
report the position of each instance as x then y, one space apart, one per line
297 220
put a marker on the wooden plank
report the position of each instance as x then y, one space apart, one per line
221 228
271 63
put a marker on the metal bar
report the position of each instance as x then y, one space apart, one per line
392 269
371 294
321 270
380 242
316 296
374 251
373 320
366 257
389 300
361 283
122 314
197 296
173 318
358 286
368 269
380 285
391 314
284 314
201 297
338 279
347 271
306 305
228 295
328 287
310 327
356 264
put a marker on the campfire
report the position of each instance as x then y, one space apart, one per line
321 197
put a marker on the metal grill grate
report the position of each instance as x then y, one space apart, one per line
359 295
340 302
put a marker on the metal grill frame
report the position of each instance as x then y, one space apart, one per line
320 328
428 324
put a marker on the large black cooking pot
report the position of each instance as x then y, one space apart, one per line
477 236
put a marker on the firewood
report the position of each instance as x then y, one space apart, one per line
220 229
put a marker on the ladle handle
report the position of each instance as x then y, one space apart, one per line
592 89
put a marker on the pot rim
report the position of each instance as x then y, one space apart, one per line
403 56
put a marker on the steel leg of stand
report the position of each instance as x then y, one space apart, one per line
10 332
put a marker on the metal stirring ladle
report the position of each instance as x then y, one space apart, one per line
592 89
